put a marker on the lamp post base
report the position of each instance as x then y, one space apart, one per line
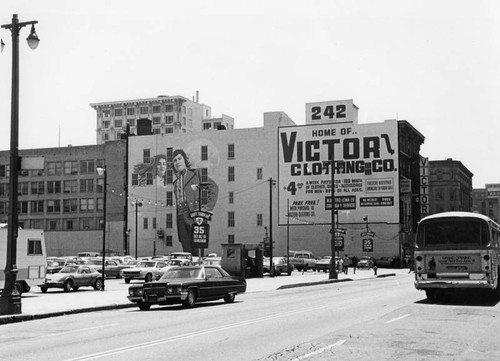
10 305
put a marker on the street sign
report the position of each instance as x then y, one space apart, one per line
367 245
368 234
200 235
339 243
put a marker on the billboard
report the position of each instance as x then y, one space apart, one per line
364 159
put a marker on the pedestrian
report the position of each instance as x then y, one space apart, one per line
340 265
354 263
346 264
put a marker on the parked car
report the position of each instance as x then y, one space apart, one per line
280 265
366 262
111 268
184 255
54 265
188 286
302 260
143 270
387 262
212 261
323 264
178 262
73 277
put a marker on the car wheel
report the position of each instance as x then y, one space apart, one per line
127 280
75 288
143 306
229 298
43 289
98 284
148 278
68 284
190 301
19 288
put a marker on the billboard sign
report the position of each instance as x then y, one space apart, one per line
364 159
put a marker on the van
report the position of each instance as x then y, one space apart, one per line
31 259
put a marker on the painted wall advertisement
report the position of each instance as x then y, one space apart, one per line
364 158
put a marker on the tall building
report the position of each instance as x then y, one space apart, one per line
66 198
167 114
487 201
450 186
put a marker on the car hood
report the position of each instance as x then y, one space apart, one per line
54 277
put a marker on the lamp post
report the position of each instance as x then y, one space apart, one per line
137 205
333 264
10 301
103 171
271 263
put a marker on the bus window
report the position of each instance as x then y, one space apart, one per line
453 231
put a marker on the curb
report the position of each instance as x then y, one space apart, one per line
305 284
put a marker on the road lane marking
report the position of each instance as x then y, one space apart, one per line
398 318
80 330
303 357
190 335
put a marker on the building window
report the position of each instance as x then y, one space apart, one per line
169 223
105 124
4 170
100 204
156 120
168 241
69 206
54 206
86 223
204 152
169 108
169 130
135 179
99 185
149 178
230 174
169 119
69 224
118 123
230 219
87 166
231 197
34 246
230 151
259 220
53 187
22 207
71 167
259 173
170 199
230 238
4 189
207 126
144 110
70 186
100 222
156 108
4 207
86 185
130 111
86 205
154 223
146 155
23 188
54 168
169 177
156 131
52 224
36 207
131 122
204 175
145 223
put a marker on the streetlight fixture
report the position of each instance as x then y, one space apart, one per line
102 171
10 301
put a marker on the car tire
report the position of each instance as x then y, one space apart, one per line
190 300
148 278
43 289
98 284
143 306
75 288
127 280
68 285
229 298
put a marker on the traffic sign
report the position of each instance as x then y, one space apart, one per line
200 235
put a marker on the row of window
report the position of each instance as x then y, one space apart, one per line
67 224
144 109
54 206
55 187
70 167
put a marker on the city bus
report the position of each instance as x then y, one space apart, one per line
457 250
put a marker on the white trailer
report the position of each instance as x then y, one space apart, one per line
31 258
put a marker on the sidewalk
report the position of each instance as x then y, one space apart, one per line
37 305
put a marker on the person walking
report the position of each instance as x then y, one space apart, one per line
354 263
346 263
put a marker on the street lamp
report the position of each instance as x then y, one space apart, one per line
102 171
10 301
137 205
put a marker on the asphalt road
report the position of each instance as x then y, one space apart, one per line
383 319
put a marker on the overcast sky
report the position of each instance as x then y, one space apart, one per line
433 63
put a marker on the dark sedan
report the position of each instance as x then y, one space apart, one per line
187 286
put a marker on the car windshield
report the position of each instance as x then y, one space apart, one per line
69 269
146 264
182 273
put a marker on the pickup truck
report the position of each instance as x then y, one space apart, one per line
302 260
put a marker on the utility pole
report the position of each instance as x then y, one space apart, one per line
271 263
333 264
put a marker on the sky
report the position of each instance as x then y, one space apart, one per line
433 63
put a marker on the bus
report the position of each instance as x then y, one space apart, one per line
457 250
